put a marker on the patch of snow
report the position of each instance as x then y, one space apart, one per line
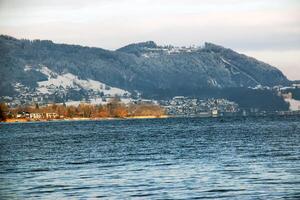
7 97
294 104
260 87
45 70
43 90
145 55
73 103
190 49
126 100
19 87
152 52
27 68
71 81
97 101
225 61
286 88
213 82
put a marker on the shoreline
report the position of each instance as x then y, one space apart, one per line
24 120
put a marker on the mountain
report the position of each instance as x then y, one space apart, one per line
176 69
42 67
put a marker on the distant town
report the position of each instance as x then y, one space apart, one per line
211 107
125 107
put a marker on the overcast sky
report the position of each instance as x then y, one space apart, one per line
266 29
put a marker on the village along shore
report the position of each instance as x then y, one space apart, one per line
22 120
61 112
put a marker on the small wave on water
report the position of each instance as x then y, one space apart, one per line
178 158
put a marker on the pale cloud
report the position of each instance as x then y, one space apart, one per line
248 26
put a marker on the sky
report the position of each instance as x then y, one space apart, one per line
268 30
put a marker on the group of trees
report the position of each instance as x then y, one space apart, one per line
114 109
3 111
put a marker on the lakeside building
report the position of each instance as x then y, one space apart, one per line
23 114
37 115
27 115
51 115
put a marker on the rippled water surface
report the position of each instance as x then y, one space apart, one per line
179 158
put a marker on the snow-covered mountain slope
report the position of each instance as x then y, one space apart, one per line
67 81
65 87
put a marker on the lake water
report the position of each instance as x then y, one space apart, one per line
178 158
